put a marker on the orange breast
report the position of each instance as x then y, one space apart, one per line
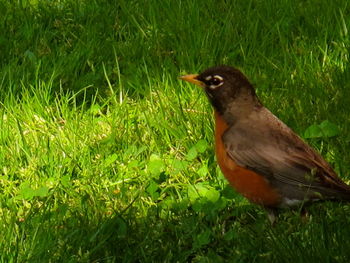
248 183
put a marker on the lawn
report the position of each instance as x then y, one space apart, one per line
106 156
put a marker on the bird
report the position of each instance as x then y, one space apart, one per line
261 157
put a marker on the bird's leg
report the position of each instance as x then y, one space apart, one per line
271 215
305 216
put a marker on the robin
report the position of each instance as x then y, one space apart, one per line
261 157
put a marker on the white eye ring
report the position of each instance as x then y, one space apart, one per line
216 77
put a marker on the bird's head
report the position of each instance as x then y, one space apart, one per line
223 85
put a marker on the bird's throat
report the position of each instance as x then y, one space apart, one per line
239 108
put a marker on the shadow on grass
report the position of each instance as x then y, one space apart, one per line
236 234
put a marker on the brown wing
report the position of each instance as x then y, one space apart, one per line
267 146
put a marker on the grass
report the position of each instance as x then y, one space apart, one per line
107 157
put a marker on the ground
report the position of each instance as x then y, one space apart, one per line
106 156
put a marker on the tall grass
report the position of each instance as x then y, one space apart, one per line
107 157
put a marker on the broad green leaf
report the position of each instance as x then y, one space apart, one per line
202 239
155 165
110 159
179 165
192 154
65 181
220 204
27 192
212 195
229 235
325 129
313 131
197 206
201 190
175 205
329 129
133 164
152 190
228 192
203 171
192 193
201 146
42 191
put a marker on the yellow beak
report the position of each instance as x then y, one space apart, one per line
192 78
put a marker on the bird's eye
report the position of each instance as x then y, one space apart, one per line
214 82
